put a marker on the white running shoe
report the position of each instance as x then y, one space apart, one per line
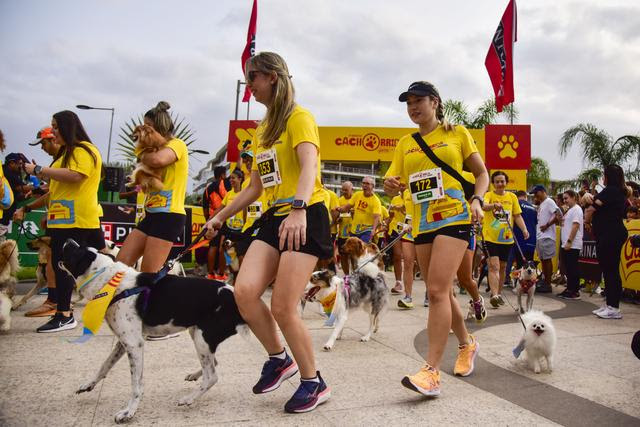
610 313
598 310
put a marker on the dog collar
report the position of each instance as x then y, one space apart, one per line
90 279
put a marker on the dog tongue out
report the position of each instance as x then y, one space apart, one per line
538 331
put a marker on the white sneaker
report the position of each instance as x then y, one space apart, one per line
598 310
609 313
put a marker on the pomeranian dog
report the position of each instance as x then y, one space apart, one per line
538 340
147 140
526 277
9 267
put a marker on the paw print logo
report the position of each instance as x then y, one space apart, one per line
371 141
243 136
508 146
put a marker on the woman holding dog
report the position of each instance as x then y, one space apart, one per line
441 223
73 209
294 232
165 216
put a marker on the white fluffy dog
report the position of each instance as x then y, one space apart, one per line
538 340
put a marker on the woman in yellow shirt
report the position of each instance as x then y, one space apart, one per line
441 223
292 236
165 216
73 209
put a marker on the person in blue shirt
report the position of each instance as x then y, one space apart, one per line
530 217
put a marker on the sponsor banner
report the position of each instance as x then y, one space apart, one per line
588 266
240 131
117 223
630 259
508 146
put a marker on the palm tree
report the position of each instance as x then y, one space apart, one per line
126 145
539 173
458 112
599 149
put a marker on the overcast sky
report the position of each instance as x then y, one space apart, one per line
575 62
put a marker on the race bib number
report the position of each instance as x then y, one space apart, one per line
254 210
345 214
503 216
267 163
426 185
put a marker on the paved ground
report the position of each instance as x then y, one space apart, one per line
596 380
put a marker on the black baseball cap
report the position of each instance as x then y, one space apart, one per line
419 89
537 188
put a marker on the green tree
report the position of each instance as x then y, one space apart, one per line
126 145
539 173
599 149
457 112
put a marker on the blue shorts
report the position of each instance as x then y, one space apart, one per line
365 237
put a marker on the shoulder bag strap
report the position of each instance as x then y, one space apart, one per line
435 159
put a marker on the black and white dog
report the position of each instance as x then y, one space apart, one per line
207 308
365 288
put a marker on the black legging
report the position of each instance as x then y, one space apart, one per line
608 247
570 262
64 282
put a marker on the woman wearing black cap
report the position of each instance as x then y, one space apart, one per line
441 222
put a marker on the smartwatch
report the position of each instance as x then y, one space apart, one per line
479 199
37 170
298 204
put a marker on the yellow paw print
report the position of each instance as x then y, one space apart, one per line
508 146
244 135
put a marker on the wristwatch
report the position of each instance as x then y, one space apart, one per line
37 170
298 204
479 199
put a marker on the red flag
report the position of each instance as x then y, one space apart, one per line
250 48
499 61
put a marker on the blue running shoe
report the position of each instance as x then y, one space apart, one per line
274 372
309 395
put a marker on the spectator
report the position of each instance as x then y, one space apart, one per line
12 170
571 241
211 203
632 213
47 141
605 217
344 222
548 216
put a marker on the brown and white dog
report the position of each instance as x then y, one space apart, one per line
148 178
9 267
41 244
359 252
527 277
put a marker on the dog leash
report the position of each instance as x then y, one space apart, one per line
168 265
514 236
383 250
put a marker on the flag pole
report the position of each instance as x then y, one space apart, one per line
237 99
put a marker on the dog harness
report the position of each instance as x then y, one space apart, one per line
347 298
527 284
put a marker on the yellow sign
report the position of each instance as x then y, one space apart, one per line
369 144
630 259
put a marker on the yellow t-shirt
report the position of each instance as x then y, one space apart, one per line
398 217
75 204
452 148
364 208
496 230
345 218
278 166
409 212
237 221
171 197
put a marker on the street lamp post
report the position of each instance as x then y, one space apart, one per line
86 107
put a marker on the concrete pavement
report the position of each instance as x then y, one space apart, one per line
596 378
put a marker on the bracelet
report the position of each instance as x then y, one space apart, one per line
479 199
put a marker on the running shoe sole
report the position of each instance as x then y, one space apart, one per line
322 397
285 375
406 381
162 337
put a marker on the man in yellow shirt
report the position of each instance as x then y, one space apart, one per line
367 211
344 222
502 210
